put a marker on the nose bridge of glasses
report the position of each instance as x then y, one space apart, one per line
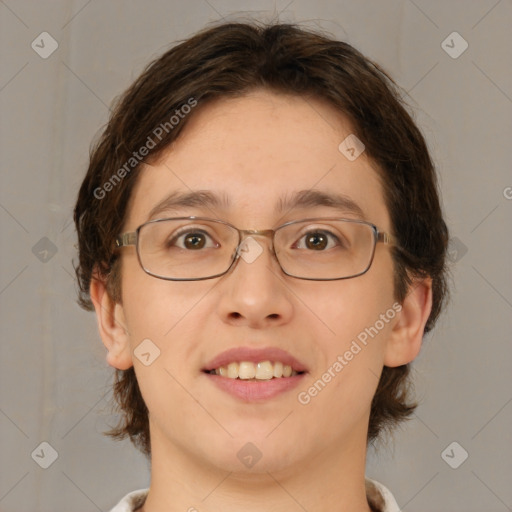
258 232
250 233
246 233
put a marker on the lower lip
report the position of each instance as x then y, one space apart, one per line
253 391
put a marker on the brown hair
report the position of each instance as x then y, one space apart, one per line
229 60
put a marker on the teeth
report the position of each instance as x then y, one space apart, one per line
264 370
246 371
232 370
278 369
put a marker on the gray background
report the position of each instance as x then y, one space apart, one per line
54 379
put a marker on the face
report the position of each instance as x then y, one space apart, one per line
256 150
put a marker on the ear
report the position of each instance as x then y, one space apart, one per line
111 324
404 343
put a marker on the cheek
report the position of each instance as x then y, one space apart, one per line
355 318
346 308
160 318
154 306
344 381
162 312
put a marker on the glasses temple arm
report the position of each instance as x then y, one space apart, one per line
386 238
126 239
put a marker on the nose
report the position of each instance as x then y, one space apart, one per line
254 291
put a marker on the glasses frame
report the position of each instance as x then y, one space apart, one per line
132 238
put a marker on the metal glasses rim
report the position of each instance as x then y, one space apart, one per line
131 238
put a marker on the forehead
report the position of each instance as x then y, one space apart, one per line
252 158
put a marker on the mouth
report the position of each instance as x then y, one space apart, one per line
255 374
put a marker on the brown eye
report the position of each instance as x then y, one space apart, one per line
316 241
188 239
194 241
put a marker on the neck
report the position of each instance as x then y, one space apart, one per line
332 480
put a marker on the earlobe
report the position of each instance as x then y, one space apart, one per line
111 325
405 340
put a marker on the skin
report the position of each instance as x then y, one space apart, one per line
254 149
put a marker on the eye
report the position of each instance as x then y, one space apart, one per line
318 240
192 239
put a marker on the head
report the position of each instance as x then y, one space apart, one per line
257 113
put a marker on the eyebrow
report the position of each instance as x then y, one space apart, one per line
196 199
301 199
313 197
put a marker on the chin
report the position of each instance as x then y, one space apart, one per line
255 453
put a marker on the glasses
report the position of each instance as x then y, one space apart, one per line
196 248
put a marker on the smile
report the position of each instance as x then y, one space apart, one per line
253 374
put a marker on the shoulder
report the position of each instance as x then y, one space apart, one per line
380 497
131 501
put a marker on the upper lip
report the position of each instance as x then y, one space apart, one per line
254 355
